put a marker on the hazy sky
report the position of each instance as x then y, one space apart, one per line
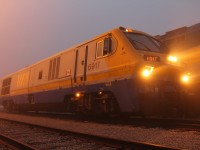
31 30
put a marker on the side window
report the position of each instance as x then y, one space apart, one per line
103 48
99 52
40 75
107 46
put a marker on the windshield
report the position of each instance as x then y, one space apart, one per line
146 43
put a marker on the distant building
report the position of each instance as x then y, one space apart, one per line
182 38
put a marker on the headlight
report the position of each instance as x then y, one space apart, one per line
78 95
172 59
185 78
147 71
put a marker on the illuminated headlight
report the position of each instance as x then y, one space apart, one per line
172 58
185 78
147 71
78 95
128 30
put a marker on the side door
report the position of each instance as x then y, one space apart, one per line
80 67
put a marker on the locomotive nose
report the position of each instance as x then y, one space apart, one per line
173 75
164 74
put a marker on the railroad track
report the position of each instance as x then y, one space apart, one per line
150 130
10 143
98 141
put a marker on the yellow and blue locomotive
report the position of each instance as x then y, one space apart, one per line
120 71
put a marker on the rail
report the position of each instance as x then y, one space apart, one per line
14 144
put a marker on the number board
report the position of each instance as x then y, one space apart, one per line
152 58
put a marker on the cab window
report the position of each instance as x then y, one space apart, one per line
103 48
99 52
145 43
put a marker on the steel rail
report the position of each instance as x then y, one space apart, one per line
14 144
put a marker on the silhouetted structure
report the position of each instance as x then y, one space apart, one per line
182 38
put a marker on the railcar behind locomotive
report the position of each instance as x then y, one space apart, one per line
120 71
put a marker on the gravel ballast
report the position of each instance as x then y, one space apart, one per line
177 138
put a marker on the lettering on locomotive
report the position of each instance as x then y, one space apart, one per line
151 58
94 65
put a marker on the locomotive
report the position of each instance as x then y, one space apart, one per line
120 71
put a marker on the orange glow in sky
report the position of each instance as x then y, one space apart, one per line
33 30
